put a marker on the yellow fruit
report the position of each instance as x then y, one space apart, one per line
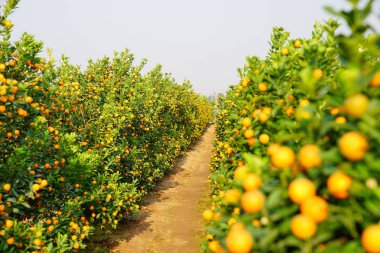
10 240
239 240
309 156
371 239
338 184
252 201
7 23
245 81
232 196
28 100
353 146
207 215
35 187
301 189
6 187
263 86
37 242
252 182
263 118
283 157
315 208
264 138
303 227
297 44
8 224
215 247
246 122
43 183
356 106
249 133
284 51
375 81
340 120
317 73
241 172
2 108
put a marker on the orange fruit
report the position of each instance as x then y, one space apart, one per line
356 106
315 208
263 118
283 157
246 122
252 182
239 240
272 148
252 201
7 187
303 227
207 215
8 224
297 44
37 242
263 86
338 184
241 172
215 247
375 81
28 100
245 81
301 189
35 187
251 142
371 239
284 51
353 146
317 73
2 108
340 120
309 156
10 240
7 23
264 138
232 196
249 133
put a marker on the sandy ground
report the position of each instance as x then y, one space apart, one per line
171 217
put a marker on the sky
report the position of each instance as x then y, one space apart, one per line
203 41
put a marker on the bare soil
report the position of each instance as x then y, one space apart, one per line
171 217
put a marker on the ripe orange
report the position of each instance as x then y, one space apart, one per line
207 215
371 239
7 187
297 44
340 120
252 201
2 108
303 227
251 142
301 189
8 224
245 81
252 182
263 118
28 100
338 184
356 106
215 247
35 187
283 157
246 122
264 138
309 156
272 148
317 73
232 196
263 86
315 208
249 133
284 51
10 240
37 242
7 23
375 81
353 146
239 240
241 172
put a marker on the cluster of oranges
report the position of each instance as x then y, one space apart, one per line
80 148
295 167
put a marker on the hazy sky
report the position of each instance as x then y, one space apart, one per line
204 41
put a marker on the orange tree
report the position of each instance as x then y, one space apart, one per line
295 166
79 149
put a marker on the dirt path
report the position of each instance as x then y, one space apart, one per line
171 219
